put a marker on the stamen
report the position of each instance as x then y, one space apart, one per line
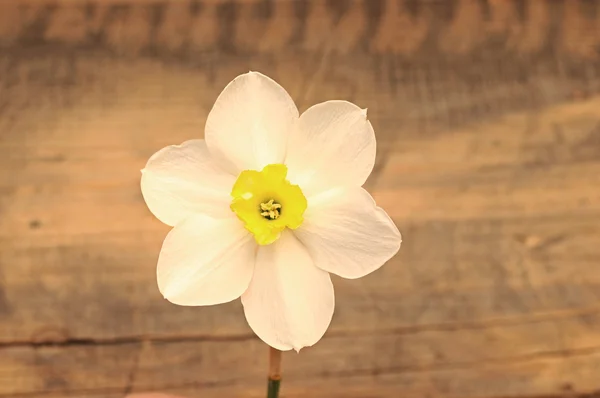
270 210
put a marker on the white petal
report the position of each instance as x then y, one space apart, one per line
332 145
347 234
289 303
206 261
181 180
249 124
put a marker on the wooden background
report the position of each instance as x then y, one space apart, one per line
488 122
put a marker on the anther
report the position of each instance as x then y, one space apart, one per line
270 210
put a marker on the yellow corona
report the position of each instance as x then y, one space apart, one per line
267 202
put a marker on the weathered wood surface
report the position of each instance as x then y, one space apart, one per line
488 122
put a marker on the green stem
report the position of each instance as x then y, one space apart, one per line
274 373
273 388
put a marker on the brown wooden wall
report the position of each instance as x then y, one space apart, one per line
487 115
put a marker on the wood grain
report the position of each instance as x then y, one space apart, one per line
487 115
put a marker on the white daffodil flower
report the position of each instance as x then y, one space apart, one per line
266 207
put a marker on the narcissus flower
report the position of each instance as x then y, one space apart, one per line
266 207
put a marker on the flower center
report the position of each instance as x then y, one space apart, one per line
259 198
270 210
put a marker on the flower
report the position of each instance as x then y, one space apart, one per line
266 207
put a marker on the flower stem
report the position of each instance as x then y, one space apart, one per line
274 373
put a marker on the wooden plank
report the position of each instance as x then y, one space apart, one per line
476 364
531 57
487 121
475 273
497 174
